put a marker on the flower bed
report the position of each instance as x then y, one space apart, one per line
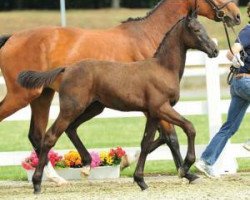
104 165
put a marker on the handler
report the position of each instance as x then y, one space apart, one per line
240 100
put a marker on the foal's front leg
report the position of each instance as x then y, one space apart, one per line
149 133
168 135
167 113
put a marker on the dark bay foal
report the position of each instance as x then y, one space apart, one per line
151 86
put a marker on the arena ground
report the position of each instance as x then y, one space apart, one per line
160 187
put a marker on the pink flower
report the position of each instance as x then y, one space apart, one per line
32 161
96 161
27 166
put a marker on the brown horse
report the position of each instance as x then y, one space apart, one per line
46 48
151 86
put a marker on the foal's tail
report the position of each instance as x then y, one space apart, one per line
33 79
4 39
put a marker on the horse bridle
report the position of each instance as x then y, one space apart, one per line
220 14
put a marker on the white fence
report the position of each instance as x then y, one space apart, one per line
214 107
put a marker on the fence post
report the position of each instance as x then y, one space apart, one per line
63 13
226 162
115 4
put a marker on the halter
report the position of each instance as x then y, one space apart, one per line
220 14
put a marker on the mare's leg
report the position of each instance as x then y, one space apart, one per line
149 133
168 135
39 120
167 113
92 110
15 99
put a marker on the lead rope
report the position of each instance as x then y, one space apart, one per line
233 70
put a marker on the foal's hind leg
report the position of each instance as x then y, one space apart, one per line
70 108
50 138
149 133
92 110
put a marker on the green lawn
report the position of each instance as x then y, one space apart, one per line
126 132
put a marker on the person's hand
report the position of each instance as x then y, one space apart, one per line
236 61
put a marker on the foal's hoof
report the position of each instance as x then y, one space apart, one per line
141 183
193 178
181 172
37 189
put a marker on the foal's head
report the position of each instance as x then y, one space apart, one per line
195 36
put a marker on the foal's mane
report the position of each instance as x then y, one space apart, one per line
165 37
147 15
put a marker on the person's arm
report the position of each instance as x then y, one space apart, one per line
235 57
236 48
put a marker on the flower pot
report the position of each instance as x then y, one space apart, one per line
70 173
66 173
104 172
30 174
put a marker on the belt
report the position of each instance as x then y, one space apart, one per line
242 75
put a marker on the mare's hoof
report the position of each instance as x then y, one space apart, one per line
85 171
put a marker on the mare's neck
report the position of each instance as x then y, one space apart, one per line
152 28
171 54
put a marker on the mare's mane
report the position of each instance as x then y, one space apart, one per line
147 15
161 46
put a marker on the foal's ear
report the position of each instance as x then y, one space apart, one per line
192 14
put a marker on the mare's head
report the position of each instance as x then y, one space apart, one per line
195 36
218 10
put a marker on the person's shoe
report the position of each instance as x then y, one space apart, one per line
206 169
246 145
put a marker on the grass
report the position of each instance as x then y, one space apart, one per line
16 173
109 133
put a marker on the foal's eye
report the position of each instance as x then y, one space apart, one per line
196 30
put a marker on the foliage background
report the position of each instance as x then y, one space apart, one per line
79 4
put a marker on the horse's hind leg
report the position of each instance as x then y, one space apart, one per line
92 110
39 118
40 114
49 141
70 108
149 133
15 100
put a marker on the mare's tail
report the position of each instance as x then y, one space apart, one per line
33 79
4 39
